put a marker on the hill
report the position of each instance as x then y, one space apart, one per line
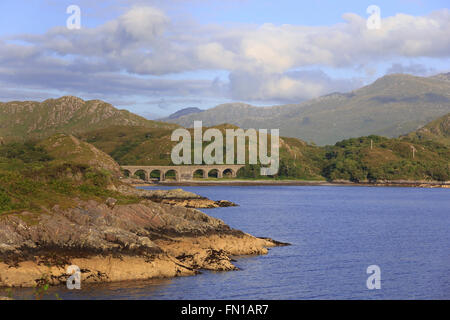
376 158
34 177
391 106
143 146
67 148
133 145
437 130
30 119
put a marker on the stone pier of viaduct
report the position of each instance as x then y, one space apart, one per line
183 173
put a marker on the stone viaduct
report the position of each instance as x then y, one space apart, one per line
183 173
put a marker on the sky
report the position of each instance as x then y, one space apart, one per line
155 57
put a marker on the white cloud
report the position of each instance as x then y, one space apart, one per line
144 23
288 87
260 59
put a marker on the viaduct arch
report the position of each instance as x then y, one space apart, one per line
184 173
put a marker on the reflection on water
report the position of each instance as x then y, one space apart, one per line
142 289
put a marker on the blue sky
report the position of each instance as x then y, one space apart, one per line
23 16
155 57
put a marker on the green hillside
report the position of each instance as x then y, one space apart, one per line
143 146
22 120
32 180
376 158
371 158
437 130
133 145
67 148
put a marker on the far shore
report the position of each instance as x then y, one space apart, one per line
242 182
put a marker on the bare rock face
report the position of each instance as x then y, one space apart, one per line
113 242
91 227
157 237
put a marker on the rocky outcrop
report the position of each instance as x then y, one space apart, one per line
197 203
137 181
176 197
113 242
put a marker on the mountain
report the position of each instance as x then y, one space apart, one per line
437 130
393 105
182 112
68 114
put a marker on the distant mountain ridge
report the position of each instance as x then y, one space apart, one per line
21 120
393 105
182 112
442 76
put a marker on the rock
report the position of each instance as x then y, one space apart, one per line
226 203
136 181
176 197
92 228
111 202
202 203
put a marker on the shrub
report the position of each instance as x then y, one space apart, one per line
27 152
5 202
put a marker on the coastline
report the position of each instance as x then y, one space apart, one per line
111 242
162 236
179 256
237 182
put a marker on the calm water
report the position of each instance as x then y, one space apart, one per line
336 233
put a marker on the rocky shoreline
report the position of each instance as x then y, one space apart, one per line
111 242
178 197
393 183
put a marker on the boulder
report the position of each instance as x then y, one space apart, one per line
111 202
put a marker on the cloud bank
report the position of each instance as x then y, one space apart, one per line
144 52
